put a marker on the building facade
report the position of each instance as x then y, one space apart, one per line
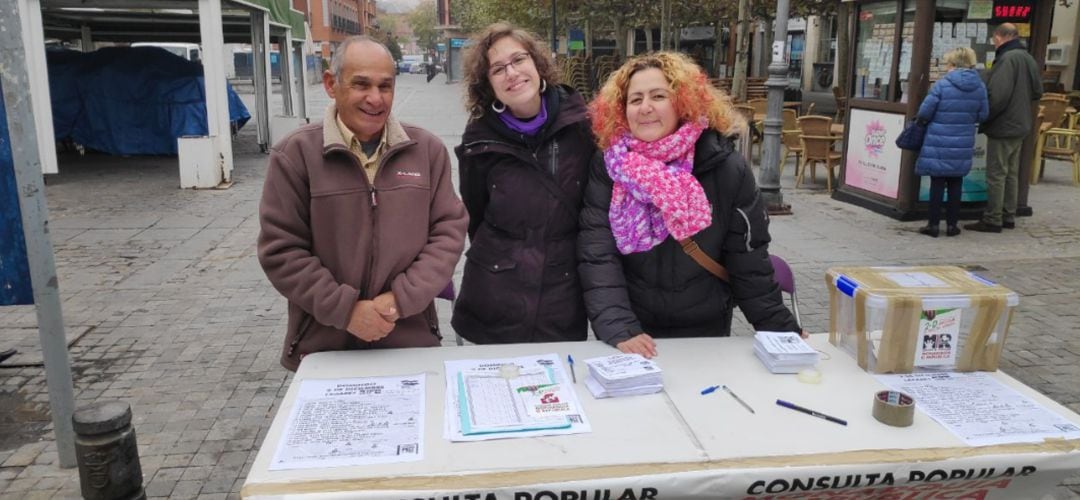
335 20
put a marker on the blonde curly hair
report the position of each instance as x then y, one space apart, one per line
693 96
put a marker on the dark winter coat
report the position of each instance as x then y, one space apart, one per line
1013 84
663 292
524 196
954 107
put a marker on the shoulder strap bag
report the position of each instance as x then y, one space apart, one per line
694 251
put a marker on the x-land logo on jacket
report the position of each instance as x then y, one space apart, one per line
874 138
408 173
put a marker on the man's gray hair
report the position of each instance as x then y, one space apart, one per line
337 61
1007 31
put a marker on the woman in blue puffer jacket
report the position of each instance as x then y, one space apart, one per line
953 109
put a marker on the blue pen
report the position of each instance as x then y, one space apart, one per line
573 374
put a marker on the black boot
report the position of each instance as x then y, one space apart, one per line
952 230
982 227
931 231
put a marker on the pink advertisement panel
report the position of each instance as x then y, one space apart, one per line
873 160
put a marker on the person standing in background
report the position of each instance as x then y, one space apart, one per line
1013 85
953 109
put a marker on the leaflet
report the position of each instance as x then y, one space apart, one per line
491 402
510 398
359 421
981 410
622 366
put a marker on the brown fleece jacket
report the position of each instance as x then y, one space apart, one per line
328 237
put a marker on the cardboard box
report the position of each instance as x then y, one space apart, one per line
915 319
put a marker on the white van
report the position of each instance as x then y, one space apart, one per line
189 51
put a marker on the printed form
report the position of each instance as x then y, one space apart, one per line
510 398
361 421
981 410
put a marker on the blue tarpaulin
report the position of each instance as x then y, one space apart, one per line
15 286
130 100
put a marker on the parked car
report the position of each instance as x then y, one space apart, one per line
189 51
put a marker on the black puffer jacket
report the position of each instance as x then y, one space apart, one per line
524 198
663 292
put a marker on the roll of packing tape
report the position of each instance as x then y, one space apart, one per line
894 408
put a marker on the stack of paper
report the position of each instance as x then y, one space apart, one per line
784 352
622 375
508 398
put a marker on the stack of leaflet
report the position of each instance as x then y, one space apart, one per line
784 352
622 375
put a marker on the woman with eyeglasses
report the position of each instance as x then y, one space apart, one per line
523 161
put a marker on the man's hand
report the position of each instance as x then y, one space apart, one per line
639 344
386 306
366 323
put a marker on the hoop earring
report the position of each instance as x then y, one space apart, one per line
498 109
543 86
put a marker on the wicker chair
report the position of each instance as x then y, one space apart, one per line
841 104
792 139
817 146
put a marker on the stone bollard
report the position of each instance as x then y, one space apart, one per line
107 453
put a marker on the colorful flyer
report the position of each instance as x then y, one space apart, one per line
939 334
547 401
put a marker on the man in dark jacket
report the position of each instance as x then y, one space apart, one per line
360 228
1013 84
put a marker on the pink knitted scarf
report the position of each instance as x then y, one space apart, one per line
654 193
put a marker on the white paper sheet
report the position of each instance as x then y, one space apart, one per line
784 343
452 428
979 409
915 279
622 366
360 421
494 403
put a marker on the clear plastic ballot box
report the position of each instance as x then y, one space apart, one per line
915 319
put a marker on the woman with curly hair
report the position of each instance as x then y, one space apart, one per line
674 232
523 161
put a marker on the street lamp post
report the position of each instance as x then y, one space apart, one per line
769 179
554 32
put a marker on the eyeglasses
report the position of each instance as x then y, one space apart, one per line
499 70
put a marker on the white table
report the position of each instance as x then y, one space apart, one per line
675 444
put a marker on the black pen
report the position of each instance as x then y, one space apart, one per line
810 412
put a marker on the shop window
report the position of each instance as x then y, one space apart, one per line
876 27
907 44
963 23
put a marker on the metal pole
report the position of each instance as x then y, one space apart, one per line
260 54
769 177
285 67
15 79
211 35
554 32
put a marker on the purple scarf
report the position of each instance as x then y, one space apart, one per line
655 192
530 127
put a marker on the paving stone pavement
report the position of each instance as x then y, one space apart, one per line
184 326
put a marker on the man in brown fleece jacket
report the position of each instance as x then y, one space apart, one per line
360 227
